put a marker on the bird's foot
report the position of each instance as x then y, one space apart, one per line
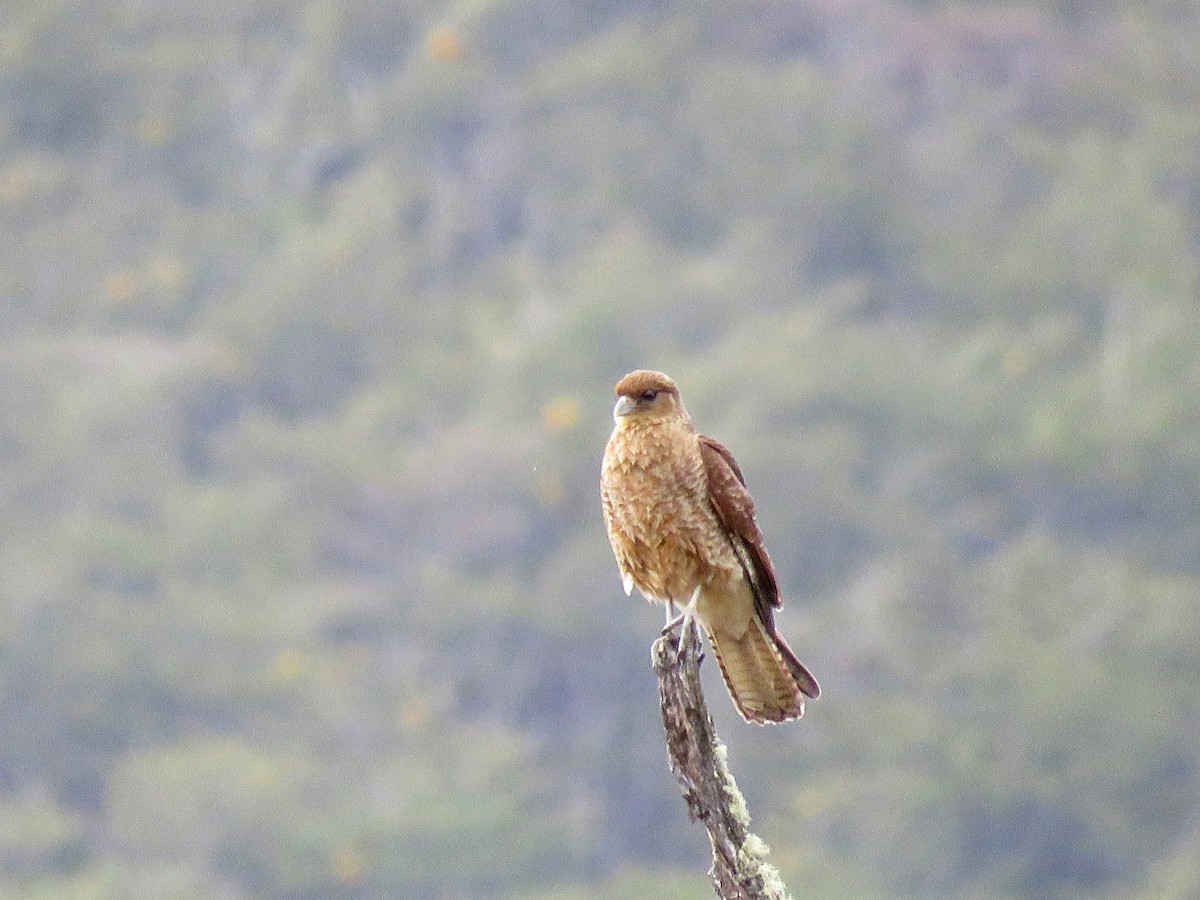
684 619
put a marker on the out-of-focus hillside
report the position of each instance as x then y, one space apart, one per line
309 318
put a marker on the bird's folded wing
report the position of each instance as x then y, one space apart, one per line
735 510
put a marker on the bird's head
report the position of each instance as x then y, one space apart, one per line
645 396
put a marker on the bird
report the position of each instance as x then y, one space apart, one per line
682 528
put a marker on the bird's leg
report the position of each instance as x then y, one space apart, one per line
683 620
673 621
689 613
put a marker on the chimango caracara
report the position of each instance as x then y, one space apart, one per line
681 523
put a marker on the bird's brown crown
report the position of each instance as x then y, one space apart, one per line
637 385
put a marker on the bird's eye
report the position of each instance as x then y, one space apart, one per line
649 396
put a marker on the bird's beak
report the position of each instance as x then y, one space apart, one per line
624 407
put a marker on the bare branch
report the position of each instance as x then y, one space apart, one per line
698 759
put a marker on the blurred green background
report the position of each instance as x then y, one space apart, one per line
309 319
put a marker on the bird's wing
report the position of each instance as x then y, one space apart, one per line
735 510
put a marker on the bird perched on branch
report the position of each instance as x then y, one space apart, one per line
681 524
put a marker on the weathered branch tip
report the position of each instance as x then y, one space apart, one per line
698 760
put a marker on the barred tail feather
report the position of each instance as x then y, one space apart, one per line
804 678
765 680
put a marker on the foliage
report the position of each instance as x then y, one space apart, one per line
309 317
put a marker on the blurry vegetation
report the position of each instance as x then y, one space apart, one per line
309 317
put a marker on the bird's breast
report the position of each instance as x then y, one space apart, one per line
659 519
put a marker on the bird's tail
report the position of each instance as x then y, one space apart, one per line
765 679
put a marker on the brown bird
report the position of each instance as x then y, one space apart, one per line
681 524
